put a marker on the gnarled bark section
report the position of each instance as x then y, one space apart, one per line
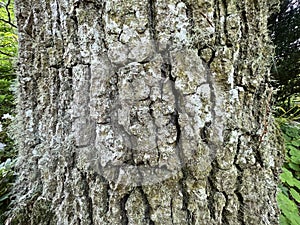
145 112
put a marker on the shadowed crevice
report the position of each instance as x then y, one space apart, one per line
239 183
148 208
152 21
86 192
124 216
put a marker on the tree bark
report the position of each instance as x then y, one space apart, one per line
145 112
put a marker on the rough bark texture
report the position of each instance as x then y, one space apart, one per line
145 112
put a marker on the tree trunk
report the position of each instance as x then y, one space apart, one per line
145 112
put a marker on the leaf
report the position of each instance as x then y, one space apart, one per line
284 190
287 177
289 209
286 137
294 218
295 154
283 220
295 159
291 131
292 149
296 143
295 194
294 166
287 205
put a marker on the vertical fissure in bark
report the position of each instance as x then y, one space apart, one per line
240 215
213 144
28 26
258 157
211 190
239 182
55 97
243 50
129 139
245 20
224 218
58 20
256 5
70 73
237 154
63 184
204 133
189 14
152 21
90 209
101 23
86 192
179 152
217 16
106 195
185 195
264 123
73 16
241 7
72 160
68 87
155 125
172 215
177 108
35 117
147 205
209 80
123 213
227 41
237 67
92 122
66 103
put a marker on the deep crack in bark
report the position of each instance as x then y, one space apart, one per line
211 191
87 195
179 150
152 21
124 217
147 205
239 183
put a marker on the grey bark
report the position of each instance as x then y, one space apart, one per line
145 112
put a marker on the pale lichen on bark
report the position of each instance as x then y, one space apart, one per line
145 112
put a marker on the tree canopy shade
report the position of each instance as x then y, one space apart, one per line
285 33
145 112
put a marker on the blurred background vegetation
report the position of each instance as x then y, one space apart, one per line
8 53
285 33
284 29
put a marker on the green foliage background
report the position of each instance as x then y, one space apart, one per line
284 29
8 52
285 33
289 195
